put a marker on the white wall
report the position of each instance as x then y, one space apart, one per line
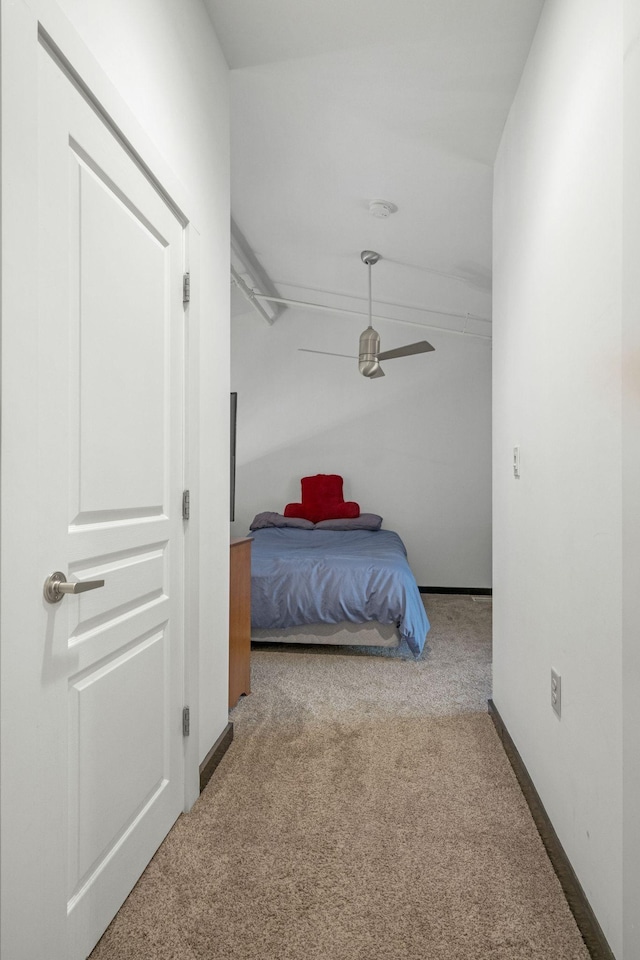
413 446
631 483
557 393
165 61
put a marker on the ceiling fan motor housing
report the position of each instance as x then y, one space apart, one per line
369 349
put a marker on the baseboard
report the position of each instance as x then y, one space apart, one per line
472 591
585 918
215 755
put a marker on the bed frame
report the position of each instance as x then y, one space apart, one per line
370 634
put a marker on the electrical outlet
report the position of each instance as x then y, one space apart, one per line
556 691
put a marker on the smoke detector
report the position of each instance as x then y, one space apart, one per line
382 209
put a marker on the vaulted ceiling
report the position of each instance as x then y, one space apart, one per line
339 102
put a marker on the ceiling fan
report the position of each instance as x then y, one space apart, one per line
369 355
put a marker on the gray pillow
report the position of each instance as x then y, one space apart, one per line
366 521
268 519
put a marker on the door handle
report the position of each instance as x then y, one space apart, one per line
56 586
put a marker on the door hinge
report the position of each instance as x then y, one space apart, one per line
185 722
186 288
186 504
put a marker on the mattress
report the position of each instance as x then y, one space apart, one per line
301 577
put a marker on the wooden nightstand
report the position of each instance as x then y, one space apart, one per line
239 619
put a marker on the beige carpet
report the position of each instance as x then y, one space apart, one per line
365 811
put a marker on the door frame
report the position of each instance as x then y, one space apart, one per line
26 24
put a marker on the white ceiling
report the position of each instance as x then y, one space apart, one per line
337 102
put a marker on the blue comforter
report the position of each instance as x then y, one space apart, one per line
327 576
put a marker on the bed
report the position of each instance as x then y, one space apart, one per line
350 586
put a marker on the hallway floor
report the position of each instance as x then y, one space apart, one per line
365 809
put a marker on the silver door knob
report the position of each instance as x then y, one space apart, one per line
56 586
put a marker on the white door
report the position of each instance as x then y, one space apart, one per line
103 669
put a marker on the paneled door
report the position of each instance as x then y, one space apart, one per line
103 667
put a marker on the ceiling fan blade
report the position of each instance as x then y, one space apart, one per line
327 353
408 351
379 373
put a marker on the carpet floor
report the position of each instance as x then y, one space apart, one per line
365 811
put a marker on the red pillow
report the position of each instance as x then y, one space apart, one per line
322 500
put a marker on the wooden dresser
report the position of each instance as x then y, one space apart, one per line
239 619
